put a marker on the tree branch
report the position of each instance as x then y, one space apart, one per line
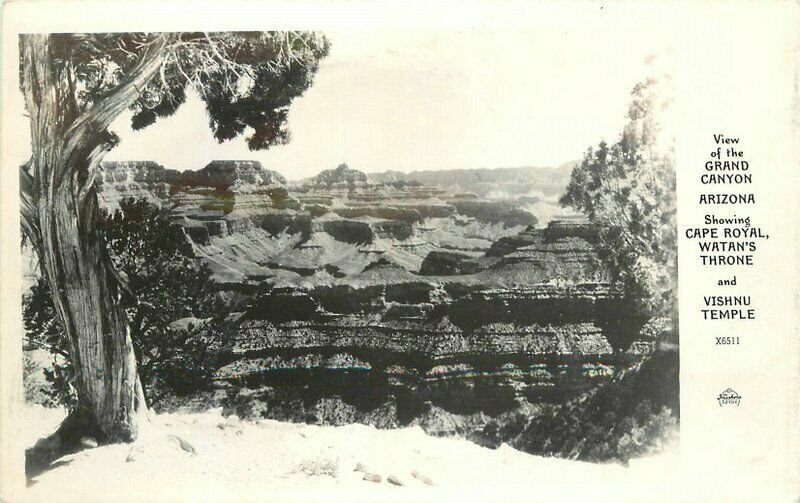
48 347
100 115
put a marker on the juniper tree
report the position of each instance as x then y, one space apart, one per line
75 86
628 190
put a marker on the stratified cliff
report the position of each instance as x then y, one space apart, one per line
248 225
394 301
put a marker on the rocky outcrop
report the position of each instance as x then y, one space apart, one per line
134 179
576 227
219 175
219 186
136 172
236 175
349 231
566 241
342 176
449 263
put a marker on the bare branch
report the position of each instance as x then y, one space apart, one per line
123 49
214 48
163 74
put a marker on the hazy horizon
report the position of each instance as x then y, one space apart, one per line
563 165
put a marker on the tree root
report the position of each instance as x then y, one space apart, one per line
78 425
65 440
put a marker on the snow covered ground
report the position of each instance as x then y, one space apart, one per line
268 460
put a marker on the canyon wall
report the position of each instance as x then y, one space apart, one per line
391 293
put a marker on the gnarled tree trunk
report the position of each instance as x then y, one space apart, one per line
60 215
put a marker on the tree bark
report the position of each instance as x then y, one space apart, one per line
60 214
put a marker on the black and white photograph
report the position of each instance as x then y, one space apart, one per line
385 261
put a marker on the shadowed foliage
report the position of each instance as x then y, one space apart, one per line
167 286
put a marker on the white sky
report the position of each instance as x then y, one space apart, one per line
433 99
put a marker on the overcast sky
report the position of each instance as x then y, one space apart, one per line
407 100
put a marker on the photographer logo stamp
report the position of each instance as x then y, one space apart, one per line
729 397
